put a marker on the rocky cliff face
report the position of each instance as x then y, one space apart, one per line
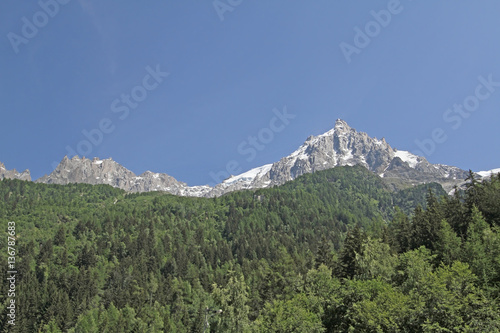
13 174
96 171
343 145
340 146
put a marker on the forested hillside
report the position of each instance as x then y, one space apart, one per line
333 251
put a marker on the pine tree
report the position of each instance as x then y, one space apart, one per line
233 299
426 224
472 190
325 254
353 245
475 249
400 233
449 244
456 214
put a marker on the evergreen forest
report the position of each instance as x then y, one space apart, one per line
331 251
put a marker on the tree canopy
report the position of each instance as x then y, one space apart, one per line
332 251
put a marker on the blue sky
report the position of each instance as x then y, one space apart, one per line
67 67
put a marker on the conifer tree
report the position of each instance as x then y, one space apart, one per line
347 266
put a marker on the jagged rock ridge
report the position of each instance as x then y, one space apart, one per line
340 146
13 174
343 145
96 171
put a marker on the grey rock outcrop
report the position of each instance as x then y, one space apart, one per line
96 171
14 174
340 146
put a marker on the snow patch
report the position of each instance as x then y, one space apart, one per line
407 157
347 156
300 153
326 134
195 191
249 176
488 173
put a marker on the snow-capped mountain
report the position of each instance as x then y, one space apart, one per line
13 174
343 145
340 146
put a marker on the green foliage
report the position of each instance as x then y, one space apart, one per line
375 260
412 267
482 249
409 198
332 251
348 264
295 315
448 247
232 301
371 306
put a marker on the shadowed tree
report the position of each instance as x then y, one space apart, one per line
347 266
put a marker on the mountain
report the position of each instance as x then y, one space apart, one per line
13 174
96 171
340 146
343 145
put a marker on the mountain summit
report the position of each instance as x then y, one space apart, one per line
343 145
96 171
340 146
13 174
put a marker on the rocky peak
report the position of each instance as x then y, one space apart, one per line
341 145
340 124
96 171
14 174
83 170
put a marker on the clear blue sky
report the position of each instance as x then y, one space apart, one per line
226 77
